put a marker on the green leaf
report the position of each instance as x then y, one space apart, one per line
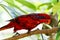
14 5
10 2
59 14
49 6
44 4
54 1
58 36
38 36
28 4
56 8
5 9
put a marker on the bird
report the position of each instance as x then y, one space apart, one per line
27 22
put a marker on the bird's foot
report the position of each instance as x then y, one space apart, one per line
16 34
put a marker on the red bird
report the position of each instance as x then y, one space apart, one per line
27 22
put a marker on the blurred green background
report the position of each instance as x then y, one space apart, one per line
10 9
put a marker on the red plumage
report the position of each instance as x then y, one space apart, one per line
28 22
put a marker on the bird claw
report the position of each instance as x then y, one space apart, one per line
37 28
16 34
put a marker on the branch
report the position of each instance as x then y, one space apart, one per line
45 31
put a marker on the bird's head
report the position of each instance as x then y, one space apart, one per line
44 18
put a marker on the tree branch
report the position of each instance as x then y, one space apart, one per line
45 31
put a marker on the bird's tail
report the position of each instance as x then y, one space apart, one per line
10 25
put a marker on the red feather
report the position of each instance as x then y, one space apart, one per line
27 22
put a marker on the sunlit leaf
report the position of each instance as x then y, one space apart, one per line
11 10
54 1
59 14
28 4
38 36
11 3
49 7
48 4
56 7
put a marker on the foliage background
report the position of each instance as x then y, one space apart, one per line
12 8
